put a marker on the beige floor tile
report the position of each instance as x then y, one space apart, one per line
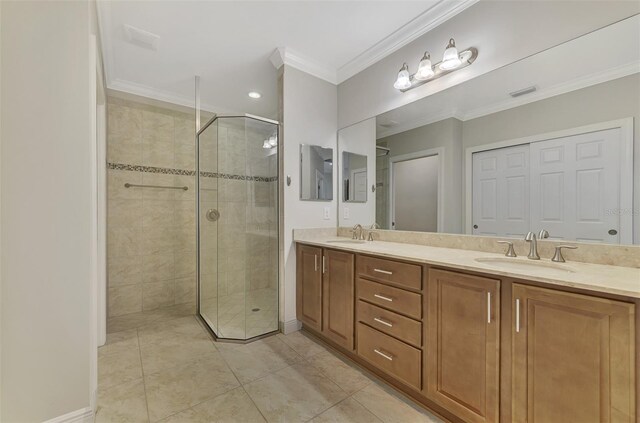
122 403
348 410
119 367
391 409
234 406
294 394
178 388
345 376
175 351
186 327
119 342
257 359
302 344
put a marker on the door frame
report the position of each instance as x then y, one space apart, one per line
439 151
626 167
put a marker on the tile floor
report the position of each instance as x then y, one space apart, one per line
172 371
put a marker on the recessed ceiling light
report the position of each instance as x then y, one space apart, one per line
255 94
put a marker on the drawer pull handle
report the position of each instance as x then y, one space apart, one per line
387 356
386 272
382 297
383 322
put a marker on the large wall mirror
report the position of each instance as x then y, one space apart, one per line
316 173
550 142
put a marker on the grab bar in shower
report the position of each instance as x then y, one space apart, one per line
128 185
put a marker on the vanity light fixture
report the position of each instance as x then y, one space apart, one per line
403 81
271 142
452 60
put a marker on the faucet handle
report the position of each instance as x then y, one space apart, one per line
543 234
510 251
558 257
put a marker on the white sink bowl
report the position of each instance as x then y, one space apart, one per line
524 264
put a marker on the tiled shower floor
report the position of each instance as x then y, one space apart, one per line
174 372
255 312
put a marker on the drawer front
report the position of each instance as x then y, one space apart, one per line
395 272
394 357
404 302
403 328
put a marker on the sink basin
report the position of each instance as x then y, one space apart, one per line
347 241
523 264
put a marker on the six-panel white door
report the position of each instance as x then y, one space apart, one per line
501 192
575 186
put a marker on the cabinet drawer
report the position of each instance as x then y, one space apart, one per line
403 328
395 272
390 355
404 302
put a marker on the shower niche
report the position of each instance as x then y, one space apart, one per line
237 169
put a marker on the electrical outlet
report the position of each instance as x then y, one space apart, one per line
345 213
326 213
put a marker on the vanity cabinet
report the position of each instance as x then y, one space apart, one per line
325 293
463 344
338 298
473 347
309 286
572 357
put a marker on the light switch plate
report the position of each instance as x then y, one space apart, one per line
345 213
326 213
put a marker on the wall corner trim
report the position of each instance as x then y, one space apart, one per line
83 415
291 326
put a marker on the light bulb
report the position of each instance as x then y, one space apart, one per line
273 141
450 59
266 144
403 82
425 70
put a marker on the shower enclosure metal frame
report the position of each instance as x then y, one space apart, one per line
199 131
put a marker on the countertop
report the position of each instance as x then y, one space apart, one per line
617 280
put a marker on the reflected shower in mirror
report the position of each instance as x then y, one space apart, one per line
316 173
549 143
354 177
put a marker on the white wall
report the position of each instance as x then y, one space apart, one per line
359 139
46 132
309 116
503 32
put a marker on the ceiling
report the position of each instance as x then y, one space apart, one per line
229 44
608 53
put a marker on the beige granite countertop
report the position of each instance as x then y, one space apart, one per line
616 280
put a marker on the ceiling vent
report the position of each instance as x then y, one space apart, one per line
523 91
141 38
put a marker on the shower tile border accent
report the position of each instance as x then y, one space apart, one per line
185 172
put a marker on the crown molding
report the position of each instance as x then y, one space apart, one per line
558 89
285 56
423 23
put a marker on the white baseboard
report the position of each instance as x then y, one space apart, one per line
84 415
291 326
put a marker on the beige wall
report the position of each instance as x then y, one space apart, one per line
446 134
47 89
151 246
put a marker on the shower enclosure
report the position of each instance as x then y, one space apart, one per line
237 160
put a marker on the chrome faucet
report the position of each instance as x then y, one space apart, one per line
533 249
358 233
373 226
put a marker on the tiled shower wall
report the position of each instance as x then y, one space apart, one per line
151 232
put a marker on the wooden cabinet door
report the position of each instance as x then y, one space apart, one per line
338 298
309 286
462 345
572 358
